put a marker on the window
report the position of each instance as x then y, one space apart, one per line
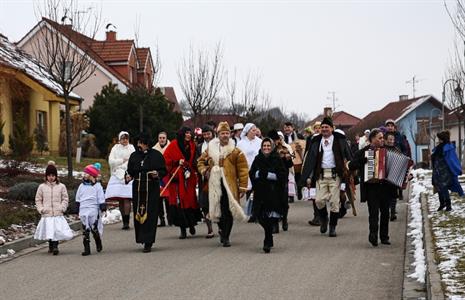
41 119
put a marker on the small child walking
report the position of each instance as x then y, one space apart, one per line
90 199
51 202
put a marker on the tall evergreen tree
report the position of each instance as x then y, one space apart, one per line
114 111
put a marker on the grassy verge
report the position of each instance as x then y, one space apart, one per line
62 162
16 214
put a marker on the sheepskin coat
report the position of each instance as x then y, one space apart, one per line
234 175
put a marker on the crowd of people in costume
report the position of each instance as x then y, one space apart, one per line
222 174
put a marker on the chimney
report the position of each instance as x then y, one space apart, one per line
403 97
111 36
327 112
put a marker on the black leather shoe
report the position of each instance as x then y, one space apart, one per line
266 249
332 231
441 207
393 217
385 242
147 248
314 222
373 239
324 226
226 243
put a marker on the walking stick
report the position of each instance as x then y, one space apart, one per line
169 181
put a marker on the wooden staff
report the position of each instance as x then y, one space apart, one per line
169 181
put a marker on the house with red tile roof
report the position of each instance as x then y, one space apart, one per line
414 118
118 61
341 119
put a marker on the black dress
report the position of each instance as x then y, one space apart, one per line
268 192
146 192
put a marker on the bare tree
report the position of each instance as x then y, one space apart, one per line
456 70
201 77
67 64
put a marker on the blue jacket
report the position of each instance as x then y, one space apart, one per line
455 168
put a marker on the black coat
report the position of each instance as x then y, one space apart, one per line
312 164
268 193
146 192
369 189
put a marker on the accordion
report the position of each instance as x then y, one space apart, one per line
386 164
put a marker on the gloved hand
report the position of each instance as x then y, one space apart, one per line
103 206
271 176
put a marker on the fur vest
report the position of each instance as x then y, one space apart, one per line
233 174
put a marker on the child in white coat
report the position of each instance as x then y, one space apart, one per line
90 199
51 202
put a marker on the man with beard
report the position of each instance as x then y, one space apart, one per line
208 135
145 167
324 165
161 145
225 167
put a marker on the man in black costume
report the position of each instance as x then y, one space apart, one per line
146 166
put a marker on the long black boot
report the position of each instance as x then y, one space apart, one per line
323 213
285 224
55 248
50 246
125 222
98 240
86 243
183 234
316 217
333 223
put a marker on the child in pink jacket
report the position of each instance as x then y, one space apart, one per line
52 202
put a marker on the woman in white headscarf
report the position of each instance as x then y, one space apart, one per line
117 189
250 145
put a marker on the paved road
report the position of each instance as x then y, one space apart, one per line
302 265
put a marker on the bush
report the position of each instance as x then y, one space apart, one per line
25 191
40 137
72 206
21 142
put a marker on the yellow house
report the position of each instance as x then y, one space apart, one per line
27 93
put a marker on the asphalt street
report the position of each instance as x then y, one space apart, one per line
302 265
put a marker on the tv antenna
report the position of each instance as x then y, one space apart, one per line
333 100
413 82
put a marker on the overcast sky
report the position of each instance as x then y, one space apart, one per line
365 51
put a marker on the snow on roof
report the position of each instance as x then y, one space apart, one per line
413 106
13 57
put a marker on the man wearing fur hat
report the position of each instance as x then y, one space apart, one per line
324 165
225 167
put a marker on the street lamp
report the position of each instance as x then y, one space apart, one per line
458 91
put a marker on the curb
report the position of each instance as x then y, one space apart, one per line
29 241
433 278
411 288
